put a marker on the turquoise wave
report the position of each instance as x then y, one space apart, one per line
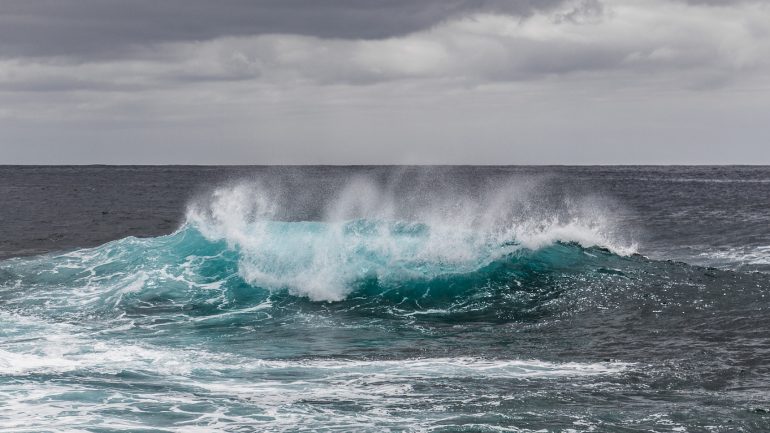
373 267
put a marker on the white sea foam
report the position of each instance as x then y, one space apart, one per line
736 257
449 367
380 389
212 392
61 353
34 346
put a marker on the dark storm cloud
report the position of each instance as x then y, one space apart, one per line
106 28
110 45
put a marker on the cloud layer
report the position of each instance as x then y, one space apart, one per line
87 28
111 64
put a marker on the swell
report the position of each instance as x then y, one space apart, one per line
506 252
186 267
184 288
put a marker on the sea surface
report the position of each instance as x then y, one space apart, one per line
371 299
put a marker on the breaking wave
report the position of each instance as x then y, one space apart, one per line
240 250
372 234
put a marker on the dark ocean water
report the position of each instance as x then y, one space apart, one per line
500 299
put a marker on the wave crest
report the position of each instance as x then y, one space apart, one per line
373 232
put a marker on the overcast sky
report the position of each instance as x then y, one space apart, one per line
384 82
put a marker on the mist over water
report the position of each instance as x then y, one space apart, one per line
476 299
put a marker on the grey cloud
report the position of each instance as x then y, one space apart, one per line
721 2
112 28
344 81
584 11
708 48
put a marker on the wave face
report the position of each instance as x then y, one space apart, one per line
438 309
383 265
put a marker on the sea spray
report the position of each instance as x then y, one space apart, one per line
374 232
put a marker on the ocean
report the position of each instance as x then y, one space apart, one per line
371 299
